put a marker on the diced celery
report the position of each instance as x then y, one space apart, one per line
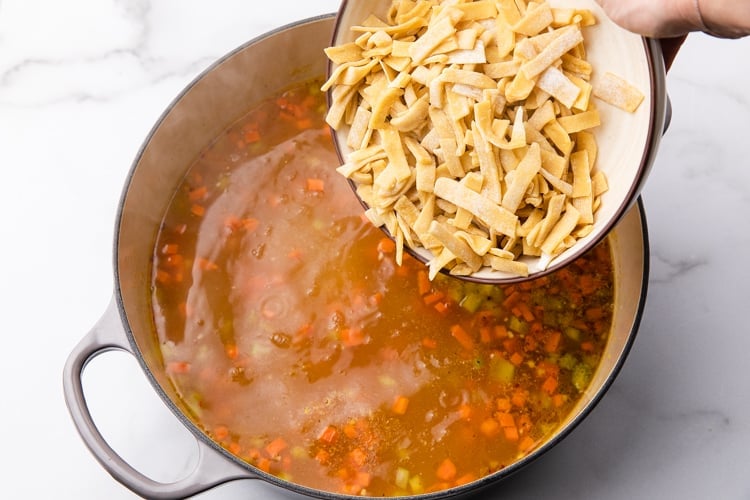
416 485
472 302
565 318
492 291
549 318
501 370
573 333
402 478
554 303
581 376
518 325
455 292
568 361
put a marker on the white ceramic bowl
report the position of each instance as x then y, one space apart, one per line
627 142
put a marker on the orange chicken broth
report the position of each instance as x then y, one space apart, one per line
296 342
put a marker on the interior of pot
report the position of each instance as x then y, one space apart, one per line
218 98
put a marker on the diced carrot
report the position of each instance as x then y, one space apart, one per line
403 271
175 260
511 345
441 307
423 283
511 300
197 194
524 423
549 385
294 254
322 456
196 177
501 331
350 430
587 284
516 358
526 312
304 123
170 249
232 222
446 471
264 464
251 135
249 224
505 419
462 336
329 434
526 443
163 276
503 404
558 400
587 346
465 479
274 200
429 343
386 245
352 337
231 350
530 343
221 432
552 344
205 264
439 486
489 427
178 367
400 405
275 447
511 433
549 368
198 210
594 313
363 479
465 411
315 185
433 297
234 448
484 335
357 457
518 398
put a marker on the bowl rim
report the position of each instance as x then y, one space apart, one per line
656 125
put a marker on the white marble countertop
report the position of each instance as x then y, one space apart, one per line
82 82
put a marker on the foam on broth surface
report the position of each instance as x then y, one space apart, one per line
297 343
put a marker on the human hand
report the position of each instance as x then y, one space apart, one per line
672 18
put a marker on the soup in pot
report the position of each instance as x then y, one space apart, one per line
296 342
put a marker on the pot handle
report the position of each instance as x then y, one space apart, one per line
212 469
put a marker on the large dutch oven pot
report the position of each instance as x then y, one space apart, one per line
215 99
